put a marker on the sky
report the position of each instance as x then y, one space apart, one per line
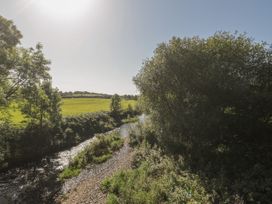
100 45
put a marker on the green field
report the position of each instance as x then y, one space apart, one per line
77 106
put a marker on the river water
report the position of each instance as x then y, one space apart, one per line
37 182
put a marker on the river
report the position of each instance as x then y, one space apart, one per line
37 182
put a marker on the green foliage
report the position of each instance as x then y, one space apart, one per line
26 69
99 151
143 133
189 84
130 108
112 199
41 105
157 173
10 37
25 78
115 105
130 120
102 158
157 179
20 144
87 124
131 114
210 101
6 135
68 173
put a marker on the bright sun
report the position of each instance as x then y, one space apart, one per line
64 9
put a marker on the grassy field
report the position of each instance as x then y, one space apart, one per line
77 106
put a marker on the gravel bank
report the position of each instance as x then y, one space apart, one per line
85 188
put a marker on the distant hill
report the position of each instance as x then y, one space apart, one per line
86 94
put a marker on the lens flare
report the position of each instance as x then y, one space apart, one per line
64 9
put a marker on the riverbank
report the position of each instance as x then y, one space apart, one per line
85 188
38 182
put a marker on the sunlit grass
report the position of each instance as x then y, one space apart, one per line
76 106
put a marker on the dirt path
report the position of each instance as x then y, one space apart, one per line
86 188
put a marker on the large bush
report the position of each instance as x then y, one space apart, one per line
211 100
21 144
157 178
210 91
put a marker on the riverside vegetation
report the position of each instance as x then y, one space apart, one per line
97 152
209 137
156 177
18 143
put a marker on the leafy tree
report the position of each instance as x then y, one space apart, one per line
210 100
31 68
115 105
35 104
41 104
24 78
129 108
54 110
23 73
206 92
9 38
19 66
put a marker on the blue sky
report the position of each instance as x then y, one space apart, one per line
100 46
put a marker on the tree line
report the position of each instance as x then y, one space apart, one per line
86 94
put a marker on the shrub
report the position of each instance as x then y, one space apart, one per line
102 158
68 173
86 125
112 199
232 183
210 101
20 144
142 133
205 92
99 151
156 180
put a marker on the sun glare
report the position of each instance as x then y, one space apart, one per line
64 9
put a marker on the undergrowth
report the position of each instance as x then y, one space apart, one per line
99 151
159 176
155 178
